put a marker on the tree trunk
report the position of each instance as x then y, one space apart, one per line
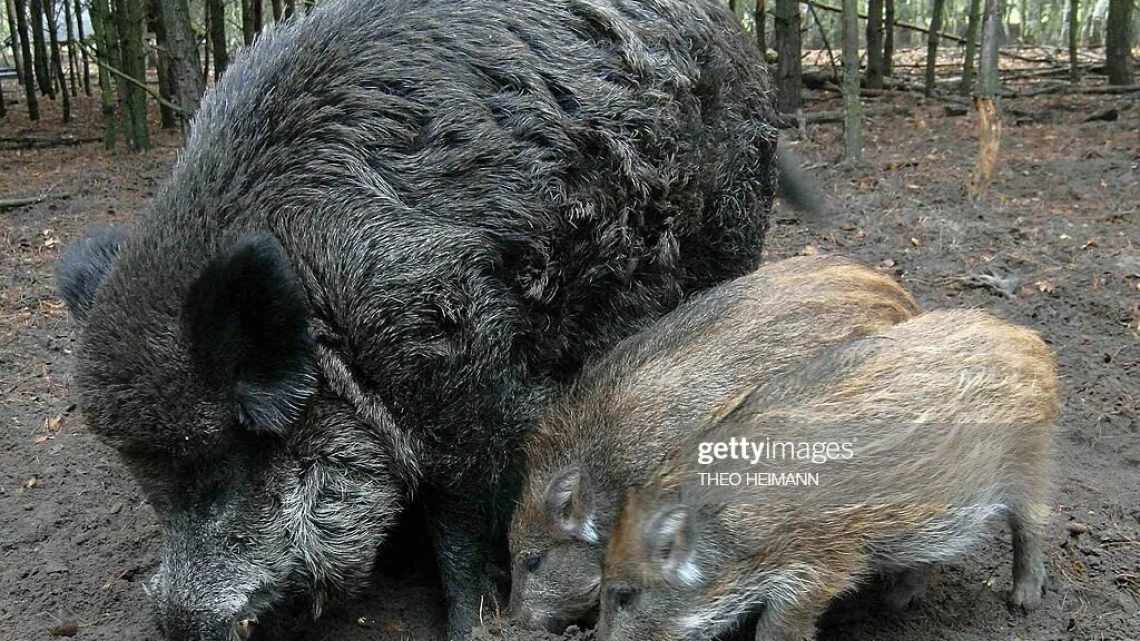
247 31
162 63
206 46
217 10
985 100
874 44
1118 42
309 4
14 34
72 62
788 70
1074 30
258 7
185 68
290 8
760 17
82 49
56 59
108 52
276 4
40 52
129 17
932 46
971 46
853 108
889 38
29 63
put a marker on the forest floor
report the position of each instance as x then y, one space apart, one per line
1054 245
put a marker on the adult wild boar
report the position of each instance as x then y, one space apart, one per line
395 228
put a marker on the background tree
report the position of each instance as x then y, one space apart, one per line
14 39
247 30
29 63
971 45
217 9
128 19
986 102
875 70
788 67
72 62
56 62
162 64
183 55
759 17
82 49
1074 31
107 47
889 38
1118 42
932 46
39 49
853 111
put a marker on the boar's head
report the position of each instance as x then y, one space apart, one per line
204 376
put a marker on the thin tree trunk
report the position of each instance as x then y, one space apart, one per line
1074 30
29 63
986 102
788 69
56 59
889 38
853 108
971 46
258 8
217 10
185 68
247 31
108 50
206 45
277 9
72 62
760 17
309 5
40 50
1118 42
129 17
161 63
14 33
874 44
290 8
82 49
932 46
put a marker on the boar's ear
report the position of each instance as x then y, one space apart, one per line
84 267
246 317
670 541
569 502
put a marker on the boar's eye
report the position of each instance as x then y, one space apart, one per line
621 596
533 562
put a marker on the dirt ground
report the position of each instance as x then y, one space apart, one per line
1055 245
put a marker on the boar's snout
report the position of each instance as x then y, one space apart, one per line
207 599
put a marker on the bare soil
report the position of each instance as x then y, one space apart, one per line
1054 244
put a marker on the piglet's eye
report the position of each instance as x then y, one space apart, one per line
621 596
533 562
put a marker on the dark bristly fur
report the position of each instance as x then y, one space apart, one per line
465 199
646 396
950 419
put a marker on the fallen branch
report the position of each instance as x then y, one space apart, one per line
134 81
821 117
43 143
13 203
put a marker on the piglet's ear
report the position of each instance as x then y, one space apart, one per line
670 540
569 502
246 317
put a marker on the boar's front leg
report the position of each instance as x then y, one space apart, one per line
461 539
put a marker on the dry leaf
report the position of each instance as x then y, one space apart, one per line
31 483
53 424
64 630
1045 286
809 250
43 438
914 241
